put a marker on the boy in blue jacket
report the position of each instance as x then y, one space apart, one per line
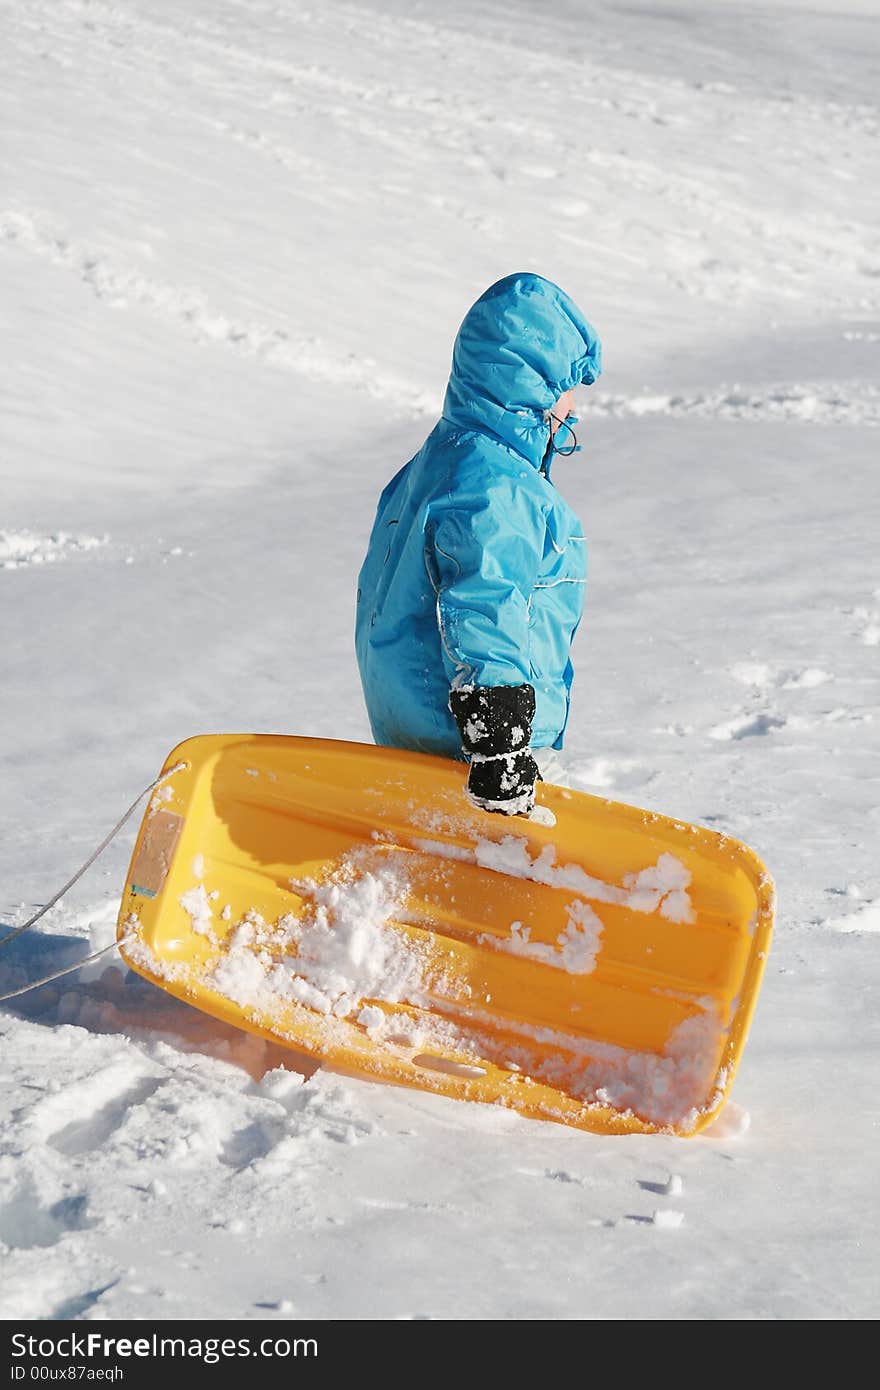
473 583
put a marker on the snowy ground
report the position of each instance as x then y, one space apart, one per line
234 250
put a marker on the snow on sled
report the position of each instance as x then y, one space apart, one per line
597 965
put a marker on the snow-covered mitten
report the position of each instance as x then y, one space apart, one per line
495 723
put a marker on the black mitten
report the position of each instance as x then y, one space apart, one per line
495 723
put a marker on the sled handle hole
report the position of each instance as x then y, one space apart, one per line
446 1064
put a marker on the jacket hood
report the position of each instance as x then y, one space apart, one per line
519 348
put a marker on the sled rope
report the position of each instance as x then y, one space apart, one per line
68 970
4 941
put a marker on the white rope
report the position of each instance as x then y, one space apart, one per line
68 970
92 857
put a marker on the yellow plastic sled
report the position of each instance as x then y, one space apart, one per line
597 965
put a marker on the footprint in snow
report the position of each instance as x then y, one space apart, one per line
748 726
761 679
611 773
673 1186
91 1131
250 1143
664 1218
78 1304
865 918
83 1115
26 1223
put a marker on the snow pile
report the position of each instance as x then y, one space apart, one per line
870 617
19 549
807 679
196 903
669 1088
731 1123
813 403
762 676
667 1219
660 887
339 952
576 949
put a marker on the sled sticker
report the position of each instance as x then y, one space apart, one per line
155 853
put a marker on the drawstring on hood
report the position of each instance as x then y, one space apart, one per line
552 447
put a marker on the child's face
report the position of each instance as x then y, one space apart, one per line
563 407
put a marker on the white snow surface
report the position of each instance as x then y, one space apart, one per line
236 240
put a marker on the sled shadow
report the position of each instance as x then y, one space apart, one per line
107 997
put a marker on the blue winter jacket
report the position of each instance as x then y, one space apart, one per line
476 566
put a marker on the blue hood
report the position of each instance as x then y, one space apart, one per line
519 348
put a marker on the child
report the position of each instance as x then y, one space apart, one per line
473 583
